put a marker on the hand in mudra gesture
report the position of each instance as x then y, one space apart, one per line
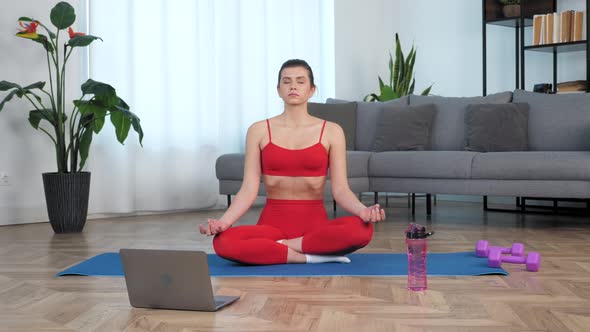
372 214
213 227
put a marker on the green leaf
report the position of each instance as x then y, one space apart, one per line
137 127
86 120
409 71
62 15
8 98
45 42
411 90
123 104
396 71
99 112
122 125
81 41
18 91
371 97
102 92
426 91
84 147
22 92
5 85
390 66
412 60
37 85
387 93
36 116
380 83
25 19
407 78
135 121
399 65
51 34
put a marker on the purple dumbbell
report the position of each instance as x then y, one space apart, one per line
482 249
532 260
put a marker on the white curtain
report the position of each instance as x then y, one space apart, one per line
197 73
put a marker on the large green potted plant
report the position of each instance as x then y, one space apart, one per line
401 76
70 126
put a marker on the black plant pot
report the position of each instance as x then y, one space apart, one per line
66 195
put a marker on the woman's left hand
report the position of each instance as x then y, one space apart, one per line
213 227
372 214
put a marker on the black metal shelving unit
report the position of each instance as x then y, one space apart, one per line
492 15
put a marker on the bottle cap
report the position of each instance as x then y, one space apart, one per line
417 231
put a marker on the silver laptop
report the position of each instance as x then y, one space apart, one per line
170 279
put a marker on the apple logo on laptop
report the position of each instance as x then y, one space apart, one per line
166 280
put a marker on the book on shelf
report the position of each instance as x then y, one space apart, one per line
573 91
553 28
565 27
537 24
572 16
556 27
548 19
542 40
578 26
572 86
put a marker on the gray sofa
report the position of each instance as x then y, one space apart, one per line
556 165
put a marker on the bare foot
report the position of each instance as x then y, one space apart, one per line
296 257
294 244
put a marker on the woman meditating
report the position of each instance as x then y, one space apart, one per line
292 151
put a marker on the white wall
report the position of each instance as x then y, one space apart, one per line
363 33
448 37
24 152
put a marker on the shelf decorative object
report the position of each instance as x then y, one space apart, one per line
511 8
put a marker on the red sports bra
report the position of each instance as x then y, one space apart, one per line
310 161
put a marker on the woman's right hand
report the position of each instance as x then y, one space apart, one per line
213 227
372 214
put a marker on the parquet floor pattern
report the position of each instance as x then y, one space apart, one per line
555 299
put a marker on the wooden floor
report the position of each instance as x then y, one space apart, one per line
555 299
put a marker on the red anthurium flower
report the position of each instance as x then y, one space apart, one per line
74 34
28 30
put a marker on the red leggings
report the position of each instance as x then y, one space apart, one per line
288 219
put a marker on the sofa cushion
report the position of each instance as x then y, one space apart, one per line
557 122
532 165
404 128
496 127
231 166
449 124
422 164
343 114
367 115
357 164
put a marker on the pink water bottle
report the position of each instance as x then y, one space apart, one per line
417 249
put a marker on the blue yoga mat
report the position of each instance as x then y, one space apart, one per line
438 264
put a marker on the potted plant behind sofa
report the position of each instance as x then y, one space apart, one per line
69 126
401 76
